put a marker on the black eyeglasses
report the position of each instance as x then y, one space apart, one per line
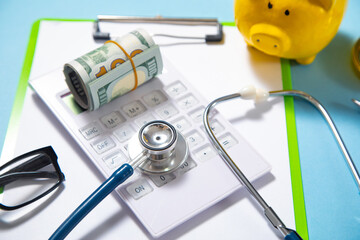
28 178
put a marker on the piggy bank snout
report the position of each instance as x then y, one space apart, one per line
269 38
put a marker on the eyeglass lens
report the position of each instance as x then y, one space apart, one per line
27 179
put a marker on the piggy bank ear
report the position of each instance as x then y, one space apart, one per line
325 4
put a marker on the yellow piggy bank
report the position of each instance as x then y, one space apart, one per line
295 29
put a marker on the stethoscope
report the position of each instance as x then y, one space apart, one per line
260 95
158 148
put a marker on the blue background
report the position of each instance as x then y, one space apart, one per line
331 197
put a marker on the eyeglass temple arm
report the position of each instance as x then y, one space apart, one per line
37 163
8 178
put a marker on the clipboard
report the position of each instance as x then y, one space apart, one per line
296 181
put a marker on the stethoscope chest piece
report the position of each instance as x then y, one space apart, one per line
164 148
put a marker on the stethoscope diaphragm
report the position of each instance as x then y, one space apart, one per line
164 148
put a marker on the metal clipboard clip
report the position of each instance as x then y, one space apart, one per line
217 37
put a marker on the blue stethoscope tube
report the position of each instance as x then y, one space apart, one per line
151 146
118 177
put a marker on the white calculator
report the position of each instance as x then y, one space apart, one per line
161 202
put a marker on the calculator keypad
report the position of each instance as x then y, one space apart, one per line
161 202
183 111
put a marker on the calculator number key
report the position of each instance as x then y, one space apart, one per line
124 133
186 166
181 124
167 111
141 121
194 138
161 180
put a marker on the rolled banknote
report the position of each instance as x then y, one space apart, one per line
106 72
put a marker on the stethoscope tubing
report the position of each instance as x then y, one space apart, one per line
268 211
118 177
330 122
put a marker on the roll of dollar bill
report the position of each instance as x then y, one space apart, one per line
105 73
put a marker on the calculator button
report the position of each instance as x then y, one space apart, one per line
161 180
216 127
124 133
205 153
139 188
194 138
103 145
141 121
134 109
197 115
126 146
186 166
112 119
167 111
114 160
188 102
91 130
154 98
227 141
175 89
181 124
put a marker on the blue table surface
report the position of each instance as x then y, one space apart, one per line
331 197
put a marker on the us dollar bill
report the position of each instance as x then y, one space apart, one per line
122 80
99 65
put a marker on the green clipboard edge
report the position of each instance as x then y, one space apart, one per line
295 168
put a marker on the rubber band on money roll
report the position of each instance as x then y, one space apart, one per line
131 60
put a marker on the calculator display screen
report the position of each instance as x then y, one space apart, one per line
70 102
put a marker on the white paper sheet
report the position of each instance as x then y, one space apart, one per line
215 70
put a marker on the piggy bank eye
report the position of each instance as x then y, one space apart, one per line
270 5
287 12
